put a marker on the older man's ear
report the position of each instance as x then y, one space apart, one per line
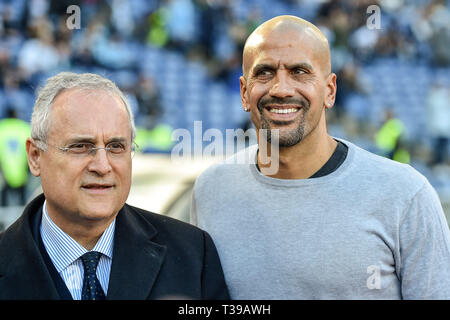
34 156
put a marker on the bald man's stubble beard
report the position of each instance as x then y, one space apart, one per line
287 137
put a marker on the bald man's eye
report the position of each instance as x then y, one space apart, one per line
298 71
264 73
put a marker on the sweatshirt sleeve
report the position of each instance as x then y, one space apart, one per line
424 269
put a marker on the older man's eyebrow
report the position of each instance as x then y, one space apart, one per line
77 139
118 139
93 140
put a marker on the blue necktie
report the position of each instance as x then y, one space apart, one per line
92 290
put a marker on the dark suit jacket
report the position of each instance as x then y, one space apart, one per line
154 257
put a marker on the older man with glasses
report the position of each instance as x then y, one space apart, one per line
79 240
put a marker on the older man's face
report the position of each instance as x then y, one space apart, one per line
286 84
83 189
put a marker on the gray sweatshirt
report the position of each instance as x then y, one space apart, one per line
372 229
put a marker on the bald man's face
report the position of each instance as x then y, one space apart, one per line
287 83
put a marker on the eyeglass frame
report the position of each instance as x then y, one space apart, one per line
92 151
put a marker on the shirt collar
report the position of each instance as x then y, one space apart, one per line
63 250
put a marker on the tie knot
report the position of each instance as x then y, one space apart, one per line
90 260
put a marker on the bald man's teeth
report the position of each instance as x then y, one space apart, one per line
291 110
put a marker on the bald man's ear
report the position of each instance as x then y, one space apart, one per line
34 157
330 91
243 86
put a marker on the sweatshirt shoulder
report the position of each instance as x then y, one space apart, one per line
387 171
228 169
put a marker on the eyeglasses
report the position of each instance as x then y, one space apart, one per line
83 149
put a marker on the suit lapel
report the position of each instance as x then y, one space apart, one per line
23 273
136 259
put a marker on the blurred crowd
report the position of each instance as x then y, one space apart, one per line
39 38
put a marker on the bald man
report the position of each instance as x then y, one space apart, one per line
334 221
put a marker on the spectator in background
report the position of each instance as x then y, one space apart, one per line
111 50
15 96
348 83
438 121
363 42
391 139
122 17
148 100
11 41
181 23
151 135
157 23
438 15
13 13
82 44
39 53
13 158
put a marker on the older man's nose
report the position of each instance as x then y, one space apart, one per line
100 162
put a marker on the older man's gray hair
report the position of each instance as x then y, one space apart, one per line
40 119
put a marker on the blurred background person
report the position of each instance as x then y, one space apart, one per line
438 121
13 159
391 139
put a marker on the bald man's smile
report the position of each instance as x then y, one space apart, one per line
282 111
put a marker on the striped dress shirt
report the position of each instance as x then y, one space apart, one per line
65 254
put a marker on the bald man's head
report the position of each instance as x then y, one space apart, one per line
300 29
